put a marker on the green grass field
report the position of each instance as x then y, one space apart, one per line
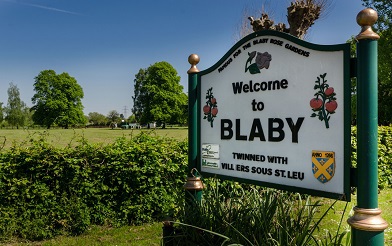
151 234
63 137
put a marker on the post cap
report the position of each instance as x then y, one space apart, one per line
193 60
366 18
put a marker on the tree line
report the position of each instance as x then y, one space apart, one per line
158 98
384 28
57 100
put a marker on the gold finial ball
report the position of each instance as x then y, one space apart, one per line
193 59
367 17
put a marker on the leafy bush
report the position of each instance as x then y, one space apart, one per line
46 191
384 154
251 216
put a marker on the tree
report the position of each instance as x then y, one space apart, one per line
384 11
57 100
1 112
113 117
385 78
97 119
14 110
141 106
28 116
158 95
301 15
132 119
384 29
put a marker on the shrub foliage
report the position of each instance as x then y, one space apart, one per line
233 214
46 191
384 154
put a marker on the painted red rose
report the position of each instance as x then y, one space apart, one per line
329 91
206 109
214 111
213 100
316 103
331 106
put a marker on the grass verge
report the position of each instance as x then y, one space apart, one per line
331 221
151 234
145 235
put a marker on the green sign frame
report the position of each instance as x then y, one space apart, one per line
196 79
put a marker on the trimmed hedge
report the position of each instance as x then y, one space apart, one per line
384 154
46 191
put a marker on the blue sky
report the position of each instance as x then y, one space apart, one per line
104 43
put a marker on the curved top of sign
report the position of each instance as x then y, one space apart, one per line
319 47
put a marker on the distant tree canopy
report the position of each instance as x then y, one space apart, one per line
97 119
385 78
15 110
57 99
158 95
132 119
384 29
113 116
1 112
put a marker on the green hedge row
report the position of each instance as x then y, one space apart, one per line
46 191
384 154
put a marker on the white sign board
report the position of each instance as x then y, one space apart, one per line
274 110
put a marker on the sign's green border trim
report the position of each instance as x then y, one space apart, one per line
346 196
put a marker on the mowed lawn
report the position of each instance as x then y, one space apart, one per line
64 137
